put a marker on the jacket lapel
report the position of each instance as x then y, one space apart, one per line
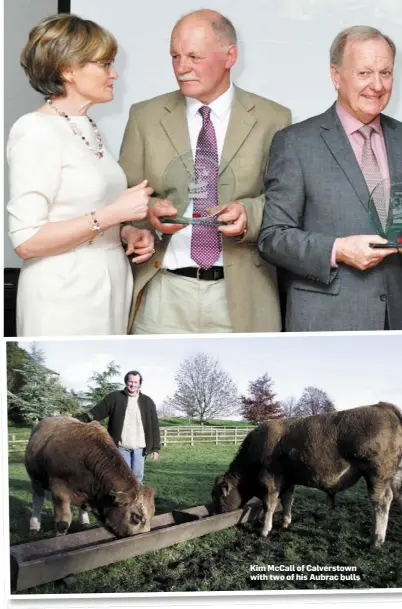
175 126
393 147
174 123
240 124
338 143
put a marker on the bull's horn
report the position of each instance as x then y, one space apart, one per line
117 494
225 486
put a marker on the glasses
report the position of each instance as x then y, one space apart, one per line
106 65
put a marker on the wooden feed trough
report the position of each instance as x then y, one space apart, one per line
47 560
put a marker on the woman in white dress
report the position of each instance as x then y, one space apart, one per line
68 195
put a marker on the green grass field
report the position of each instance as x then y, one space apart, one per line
183 477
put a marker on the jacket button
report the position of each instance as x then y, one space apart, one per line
157 264
383 297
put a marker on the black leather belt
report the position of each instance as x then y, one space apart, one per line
212 274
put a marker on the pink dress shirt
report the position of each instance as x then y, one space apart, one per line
351 126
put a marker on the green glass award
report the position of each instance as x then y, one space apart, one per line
385 213
179 184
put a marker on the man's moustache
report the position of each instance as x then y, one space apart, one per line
186 78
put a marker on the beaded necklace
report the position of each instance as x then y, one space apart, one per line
77 131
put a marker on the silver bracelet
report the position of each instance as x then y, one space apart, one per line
95 226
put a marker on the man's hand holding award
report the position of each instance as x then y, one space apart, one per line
163 214
385 213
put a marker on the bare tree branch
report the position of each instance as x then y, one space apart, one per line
204 391
289 406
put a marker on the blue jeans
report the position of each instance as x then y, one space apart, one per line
135 459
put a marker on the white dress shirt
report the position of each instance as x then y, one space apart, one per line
178 253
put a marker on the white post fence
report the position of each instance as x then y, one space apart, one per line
169 436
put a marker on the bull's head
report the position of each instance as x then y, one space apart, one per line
130 513
225 494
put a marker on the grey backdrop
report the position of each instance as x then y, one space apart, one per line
19 98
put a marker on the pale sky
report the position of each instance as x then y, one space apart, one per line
354 369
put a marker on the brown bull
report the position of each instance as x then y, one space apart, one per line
329 451
80 464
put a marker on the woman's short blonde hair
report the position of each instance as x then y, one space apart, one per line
58 42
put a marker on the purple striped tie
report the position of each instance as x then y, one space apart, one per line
206 241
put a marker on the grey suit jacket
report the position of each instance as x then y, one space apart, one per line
315 192
155 136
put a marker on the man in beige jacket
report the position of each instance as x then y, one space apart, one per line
173 292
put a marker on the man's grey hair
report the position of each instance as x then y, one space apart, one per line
222 27
356 33
224 30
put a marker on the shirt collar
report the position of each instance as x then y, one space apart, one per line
351 124
220 106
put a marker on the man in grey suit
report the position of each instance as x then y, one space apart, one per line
222 286
318 182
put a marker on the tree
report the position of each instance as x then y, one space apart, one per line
103 384
204 391
16 357
166 410
70 403
289 406
314 401
261 404
41 394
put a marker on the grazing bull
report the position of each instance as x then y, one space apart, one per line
80 464
325 451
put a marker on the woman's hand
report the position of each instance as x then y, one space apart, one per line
140 241
132 204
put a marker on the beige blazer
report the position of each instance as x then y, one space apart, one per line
156 133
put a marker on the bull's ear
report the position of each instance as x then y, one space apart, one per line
149 493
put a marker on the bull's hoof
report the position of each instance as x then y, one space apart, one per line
69 581
62 527
83 519
377 542
34 525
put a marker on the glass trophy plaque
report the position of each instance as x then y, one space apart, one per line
385 213
180 184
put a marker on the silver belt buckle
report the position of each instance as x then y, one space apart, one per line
198 272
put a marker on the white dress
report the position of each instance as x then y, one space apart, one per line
55 176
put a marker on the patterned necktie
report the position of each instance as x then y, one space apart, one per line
372 174
206 241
